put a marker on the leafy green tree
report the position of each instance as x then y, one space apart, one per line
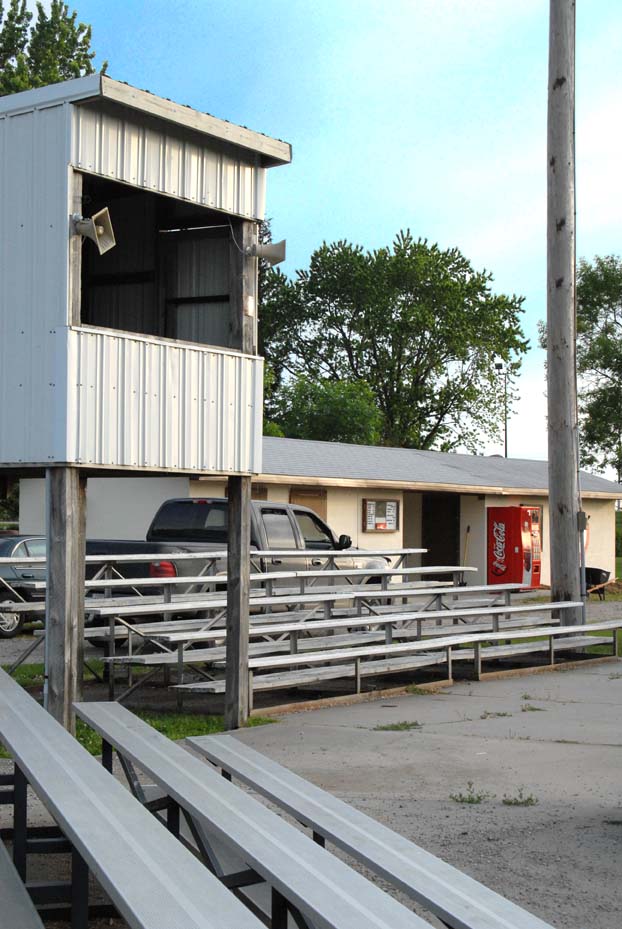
9 501
331 411
416 325
599 361
55 48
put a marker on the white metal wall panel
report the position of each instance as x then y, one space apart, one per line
34 218
154 404
165 159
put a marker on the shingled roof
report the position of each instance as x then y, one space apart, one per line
342 464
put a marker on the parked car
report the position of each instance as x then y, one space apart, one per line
18 546
188 524
202 523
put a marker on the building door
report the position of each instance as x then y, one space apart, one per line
312 497
441 529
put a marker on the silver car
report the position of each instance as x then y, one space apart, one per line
18 546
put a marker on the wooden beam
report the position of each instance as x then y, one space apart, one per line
75 254
243 308
64 640
243 287
238 568
273 151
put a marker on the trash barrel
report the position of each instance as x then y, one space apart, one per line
594 577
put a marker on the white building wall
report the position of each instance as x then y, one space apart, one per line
344 514
34 236
117 508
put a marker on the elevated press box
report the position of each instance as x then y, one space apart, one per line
134 358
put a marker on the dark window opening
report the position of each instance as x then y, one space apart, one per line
167 276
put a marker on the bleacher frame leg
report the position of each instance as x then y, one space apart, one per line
79 891
551 650
477 661
278 911
20 822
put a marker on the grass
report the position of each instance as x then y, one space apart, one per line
487 714
520 799
403 726
31 675
604 649
471 796
173 725
530 708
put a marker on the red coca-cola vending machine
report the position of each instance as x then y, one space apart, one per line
514 545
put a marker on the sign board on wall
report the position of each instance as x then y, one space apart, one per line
381 515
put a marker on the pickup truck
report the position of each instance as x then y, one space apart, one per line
201 523
189 524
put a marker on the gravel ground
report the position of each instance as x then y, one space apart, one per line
554 737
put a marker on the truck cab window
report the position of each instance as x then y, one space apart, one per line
315 534
279 530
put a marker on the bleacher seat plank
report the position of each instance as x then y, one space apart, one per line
459 900
325 890
153 881
18 911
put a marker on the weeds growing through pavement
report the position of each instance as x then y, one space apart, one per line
471 796
403 726
521 799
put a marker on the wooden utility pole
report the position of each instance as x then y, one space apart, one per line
561 322
243 298
64 607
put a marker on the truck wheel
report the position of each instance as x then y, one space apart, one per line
10 623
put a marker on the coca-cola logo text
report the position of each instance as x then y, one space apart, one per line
499 564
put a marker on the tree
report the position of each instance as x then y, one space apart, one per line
331 411
56 48
418 326
599 360
9 500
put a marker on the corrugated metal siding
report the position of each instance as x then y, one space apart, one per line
143 153
198 268
34 216
139 403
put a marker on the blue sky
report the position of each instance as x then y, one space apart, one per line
420 114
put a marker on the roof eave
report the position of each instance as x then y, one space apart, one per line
491 489
272 152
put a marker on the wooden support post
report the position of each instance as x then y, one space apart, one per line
561 323
357 675
243 318
477 660
238 571
64 639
